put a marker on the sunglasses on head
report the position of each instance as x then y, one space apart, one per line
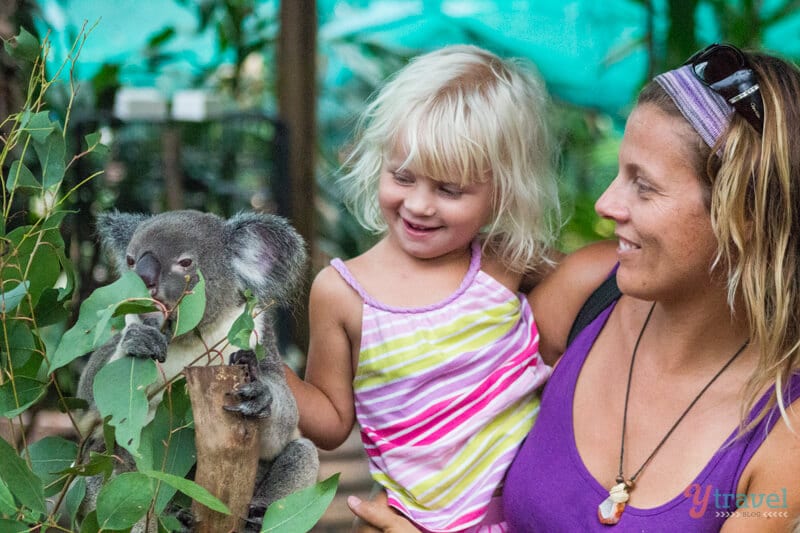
724 69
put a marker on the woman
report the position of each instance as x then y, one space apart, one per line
672 410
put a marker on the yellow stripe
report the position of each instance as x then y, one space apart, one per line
470 462
428 346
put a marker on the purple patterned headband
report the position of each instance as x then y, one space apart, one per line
707 112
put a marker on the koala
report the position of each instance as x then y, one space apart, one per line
259 252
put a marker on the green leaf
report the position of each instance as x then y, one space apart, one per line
191 489
39 126
242 327
191 308
145 305
167 443
50 309
11 299
94 144
32 258
299 512
93 327
52 154
17 395
20 177
50 456
98 463
26 487
23 46
12 526
75 495
120 392
7 504
89 523
124 500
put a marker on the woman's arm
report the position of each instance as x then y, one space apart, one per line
325 398
772 496
557 299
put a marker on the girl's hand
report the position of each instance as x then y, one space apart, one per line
376 515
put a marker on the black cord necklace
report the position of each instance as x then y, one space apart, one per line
610 510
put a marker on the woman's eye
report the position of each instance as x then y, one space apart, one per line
185 263
642 187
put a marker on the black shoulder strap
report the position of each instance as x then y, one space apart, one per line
594 305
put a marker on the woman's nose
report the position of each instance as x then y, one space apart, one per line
610 204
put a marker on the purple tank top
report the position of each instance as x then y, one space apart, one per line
549 489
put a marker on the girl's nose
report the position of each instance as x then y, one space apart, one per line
610 204
421 202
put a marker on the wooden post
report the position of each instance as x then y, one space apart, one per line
227 446
297 91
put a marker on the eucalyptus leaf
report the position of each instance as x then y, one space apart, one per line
12 526
299 512
120 392
7 504
167 443
52 154
94 145
19 394
39 126
75 495
93 327
191 308
98 463
124 500
241 330
26 486
191 489
20 177
23 46
9 300
49 457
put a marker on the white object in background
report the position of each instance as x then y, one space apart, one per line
140 103
196 105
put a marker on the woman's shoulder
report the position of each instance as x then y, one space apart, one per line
558 297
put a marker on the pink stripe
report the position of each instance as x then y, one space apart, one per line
435 415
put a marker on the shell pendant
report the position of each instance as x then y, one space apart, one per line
610 510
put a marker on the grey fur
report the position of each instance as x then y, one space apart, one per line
262 253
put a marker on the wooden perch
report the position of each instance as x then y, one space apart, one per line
227 446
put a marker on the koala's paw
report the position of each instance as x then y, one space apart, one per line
142 340
255 397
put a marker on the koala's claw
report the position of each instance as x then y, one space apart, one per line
246 358
145 341
255 400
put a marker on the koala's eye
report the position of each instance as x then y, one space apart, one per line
185 263
130 260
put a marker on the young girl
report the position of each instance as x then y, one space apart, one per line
424 339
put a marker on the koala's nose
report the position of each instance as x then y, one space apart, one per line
148 267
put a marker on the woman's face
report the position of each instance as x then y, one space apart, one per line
666 243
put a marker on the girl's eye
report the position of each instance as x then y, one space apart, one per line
451 192
402 177
185 263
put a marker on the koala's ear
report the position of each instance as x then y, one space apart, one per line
115 231
267 254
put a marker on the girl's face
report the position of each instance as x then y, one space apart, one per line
666 243
429 218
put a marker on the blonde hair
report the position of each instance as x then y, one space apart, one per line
754 185
463 115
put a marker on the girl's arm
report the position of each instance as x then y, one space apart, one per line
557 299
325 398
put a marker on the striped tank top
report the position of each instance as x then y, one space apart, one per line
445 395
